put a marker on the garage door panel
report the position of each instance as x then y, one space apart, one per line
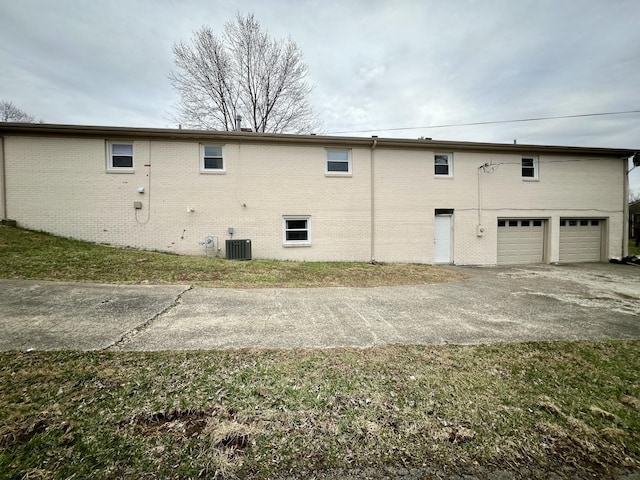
580 240
520 241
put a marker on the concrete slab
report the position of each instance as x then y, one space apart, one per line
54 316
543 302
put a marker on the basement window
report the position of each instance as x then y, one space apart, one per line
119 156
296 231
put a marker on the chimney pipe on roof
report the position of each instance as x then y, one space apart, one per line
238 122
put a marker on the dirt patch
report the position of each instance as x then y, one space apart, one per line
20 434
220 425
182 423
631 402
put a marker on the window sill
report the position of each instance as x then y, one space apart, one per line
530 179
443 177
120 170
295 245
213 172
337 174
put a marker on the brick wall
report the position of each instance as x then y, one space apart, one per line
62 186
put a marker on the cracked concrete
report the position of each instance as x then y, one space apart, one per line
124 339
541 302
495 304
38 315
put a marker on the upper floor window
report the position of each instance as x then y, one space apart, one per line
211 159
338 162
530 167
443 164
120 156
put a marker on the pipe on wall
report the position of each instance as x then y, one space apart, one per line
372 202
625 208
3 183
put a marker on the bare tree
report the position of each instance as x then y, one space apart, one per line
10 113
242 72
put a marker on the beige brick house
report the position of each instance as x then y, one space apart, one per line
316 197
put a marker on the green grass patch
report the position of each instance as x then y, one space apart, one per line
633 250
27 254
532 407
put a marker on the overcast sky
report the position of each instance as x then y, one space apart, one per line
375 65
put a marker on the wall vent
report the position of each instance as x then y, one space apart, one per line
238 249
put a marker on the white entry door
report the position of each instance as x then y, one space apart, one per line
442 240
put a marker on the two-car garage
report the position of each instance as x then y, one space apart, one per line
524 240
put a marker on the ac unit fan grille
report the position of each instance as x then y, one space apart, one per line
238 249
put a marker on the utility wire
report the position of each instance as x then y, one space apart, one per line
488 123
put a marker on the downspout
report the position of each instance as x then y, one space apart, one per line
479 197
372 200
625 207
3 183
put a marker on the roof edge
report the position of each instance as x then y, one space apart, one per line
45 129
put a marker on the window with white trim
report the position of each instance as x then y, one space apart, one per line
296 230
338 162
530 167
211 159
443 164
119 156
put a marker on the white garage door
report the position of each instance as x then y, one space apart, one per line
580 240
520 241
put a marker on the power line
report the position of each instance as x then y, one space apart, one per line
488 123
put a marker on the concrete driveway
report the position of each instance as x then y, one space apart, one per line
495 304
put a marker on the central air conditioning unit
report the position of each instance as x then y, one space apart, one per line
238 249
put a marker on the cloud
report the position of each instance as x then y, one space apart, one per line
375 64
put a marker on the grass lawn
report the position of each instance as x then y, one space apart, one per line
34 255
572 408
633 250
